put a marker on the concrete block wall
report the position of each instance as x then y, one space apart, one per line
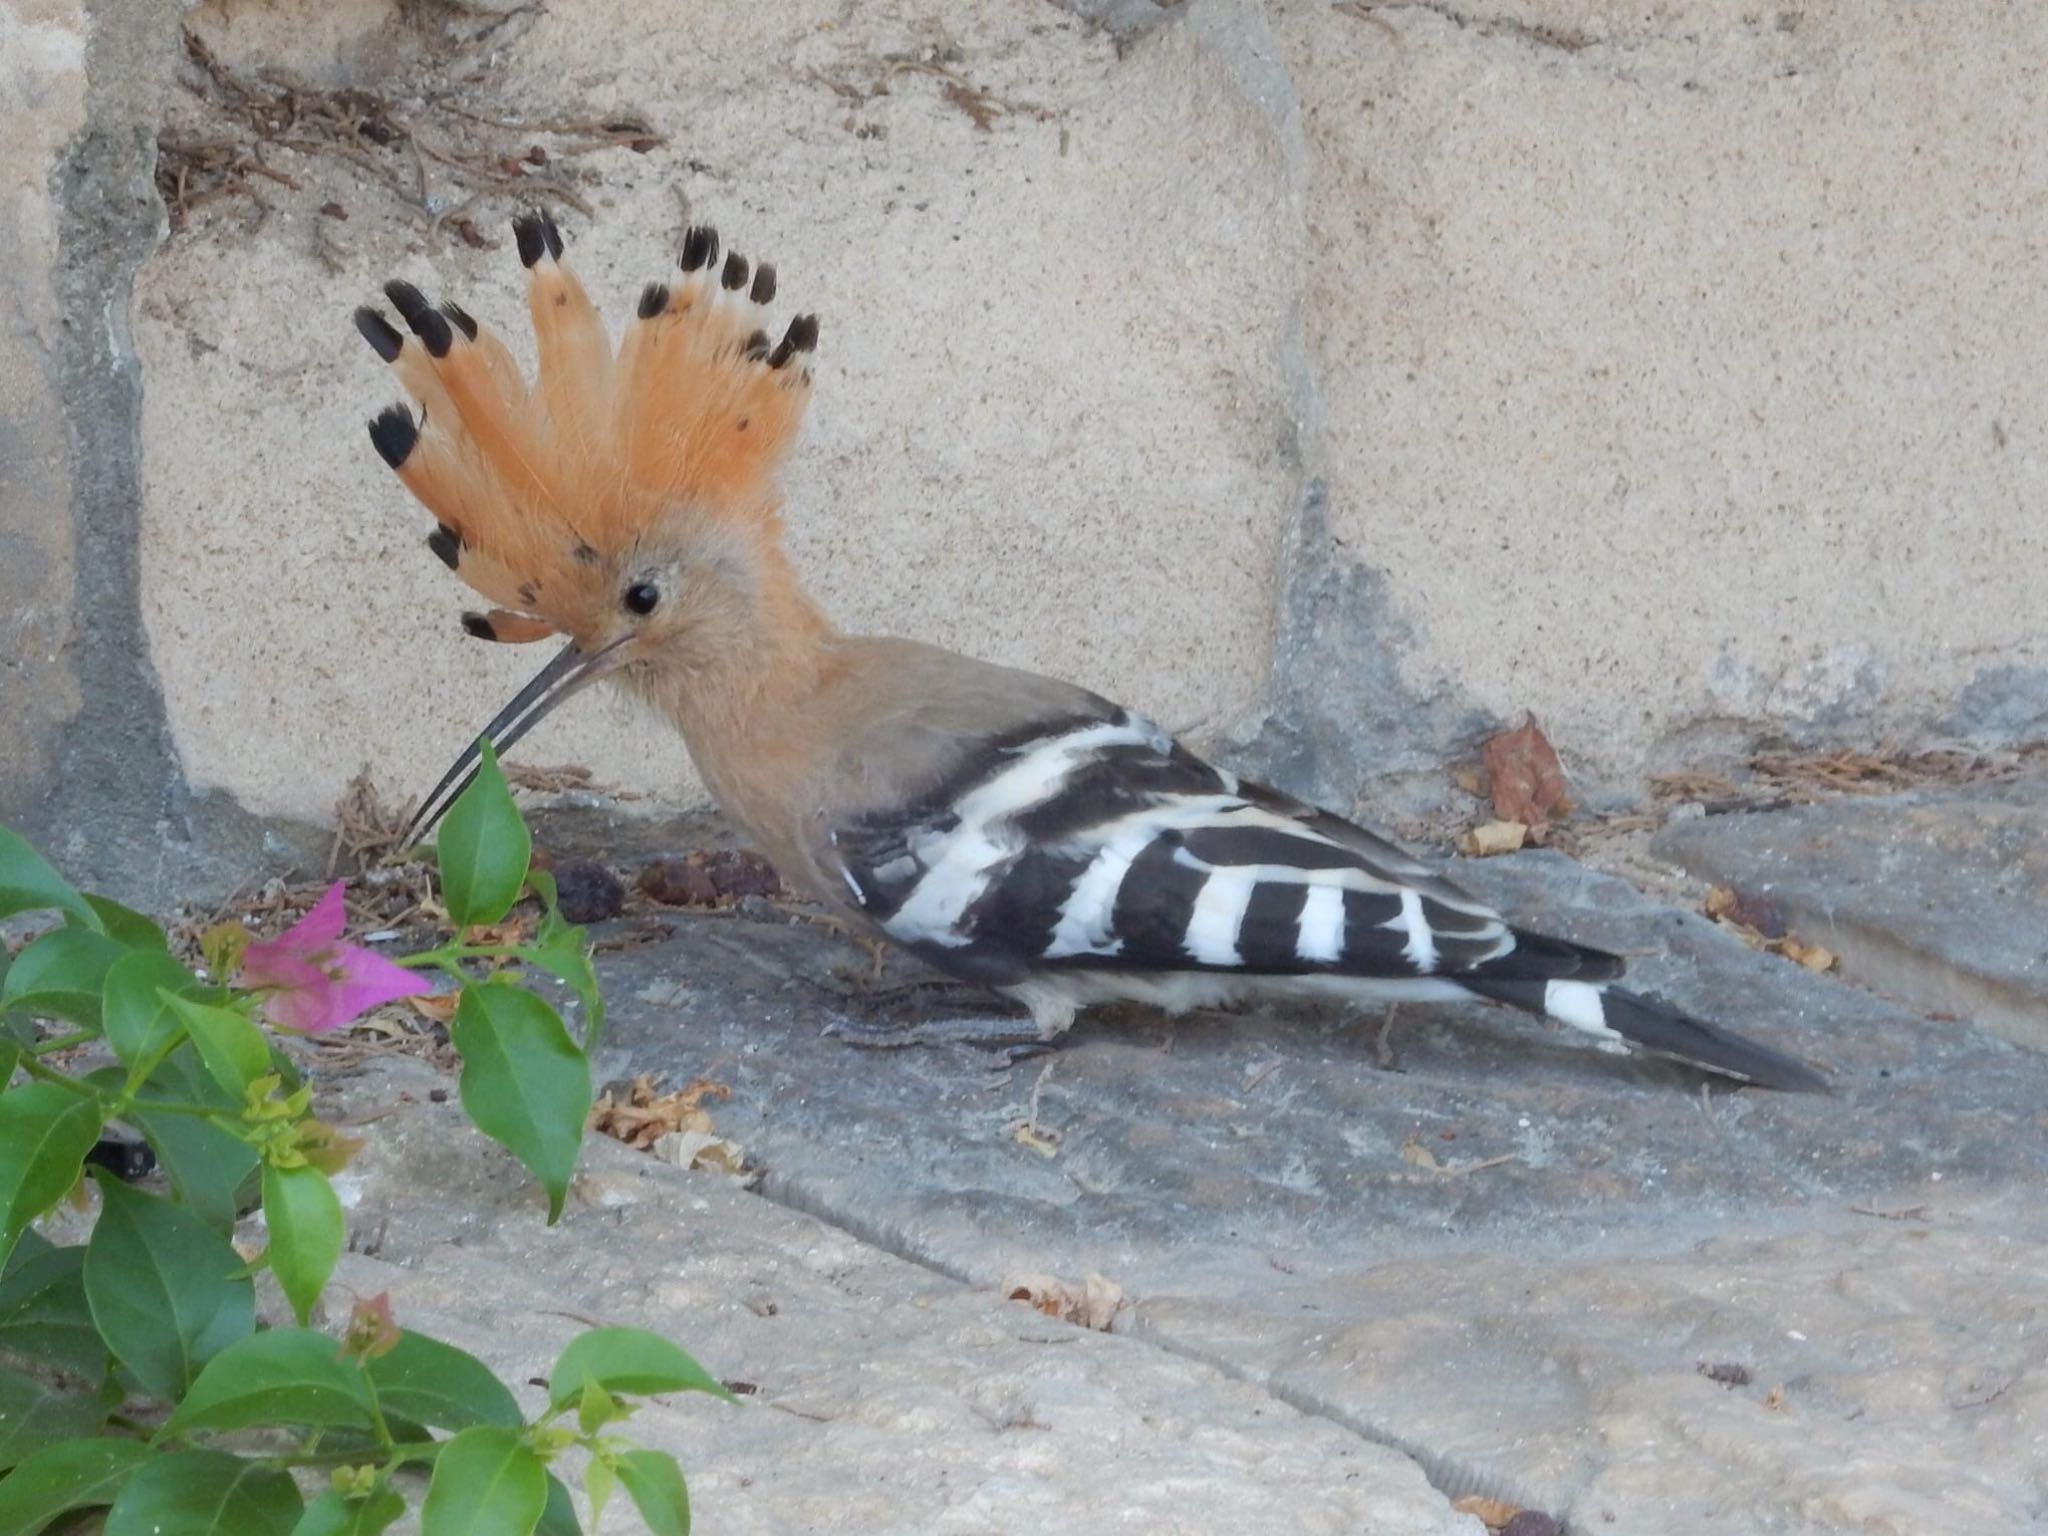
1333 381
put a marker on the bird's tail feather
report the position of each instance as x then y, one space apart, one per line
1609 1013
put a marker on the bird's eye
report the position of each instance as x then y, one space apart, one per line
643 596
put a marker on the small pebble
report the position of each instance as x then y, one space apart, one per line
589 892
438 1095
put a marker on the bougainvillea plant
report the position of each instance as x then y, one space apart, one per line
138 1388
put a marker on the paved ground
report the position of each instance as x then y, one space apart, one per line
1941 898
1511 1257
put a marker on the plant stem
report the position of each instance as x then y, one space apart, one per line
45 1074
418 1450
447 953
377 1414
62 1043
175 1107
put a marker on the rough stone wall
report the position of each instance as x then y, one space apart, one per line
42 104
1333 381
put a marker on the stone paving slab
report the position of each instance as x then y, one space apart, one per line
883 1398
1522 1326
1939 899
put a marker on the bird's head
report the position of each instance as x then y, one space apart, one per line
625 500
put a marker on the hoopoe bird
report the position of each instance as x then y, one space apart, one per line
1012 830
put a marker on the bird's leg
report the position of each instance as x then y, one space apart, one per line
1383 1043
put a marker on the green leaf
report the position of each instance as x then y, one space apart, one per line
27 884
559 1518
563 950
438 1384
60 975
483 849
279 1376
35 1416
33 1245
598 1482
206 1493
306 1231
44 1318
79 1474
167 1291
332 1515
212 1171
626 1360
233 1049
184 1075
127 925
209 1168
596 1408
45 1132
137 1019
524 1082
655 1483
486 1483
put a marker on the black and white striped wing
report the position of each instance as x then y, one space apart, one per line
1100 844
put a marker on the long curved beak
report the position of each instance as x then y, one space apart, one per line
572 670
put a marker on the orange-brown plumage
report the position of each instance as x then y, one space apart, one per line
548 489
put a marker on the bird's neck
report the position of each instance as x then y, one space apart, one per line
748 712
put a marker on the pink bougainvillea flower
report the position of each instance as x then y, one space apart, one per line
318 982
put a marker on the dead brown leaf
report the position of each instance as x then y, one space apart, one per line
1526 778
510 934
1812 956
438 1008
1493 837
1494 1514
1758 923
1415 1153
1740 909
642 1117
700 1149
1092 1304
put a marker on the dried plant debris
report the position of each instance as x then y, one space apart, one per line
366 825
1502 1518
425 150
587 891
1885 770
1728 1373
1773 780
1524 781
1092 1304
1757 921
676 1127
1524 776
942 62
1490 838
710 877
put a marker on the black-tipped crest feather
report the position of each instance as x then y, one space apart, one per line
393 433
380 333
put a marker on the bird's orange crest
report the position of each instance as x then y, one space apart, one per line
539 485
